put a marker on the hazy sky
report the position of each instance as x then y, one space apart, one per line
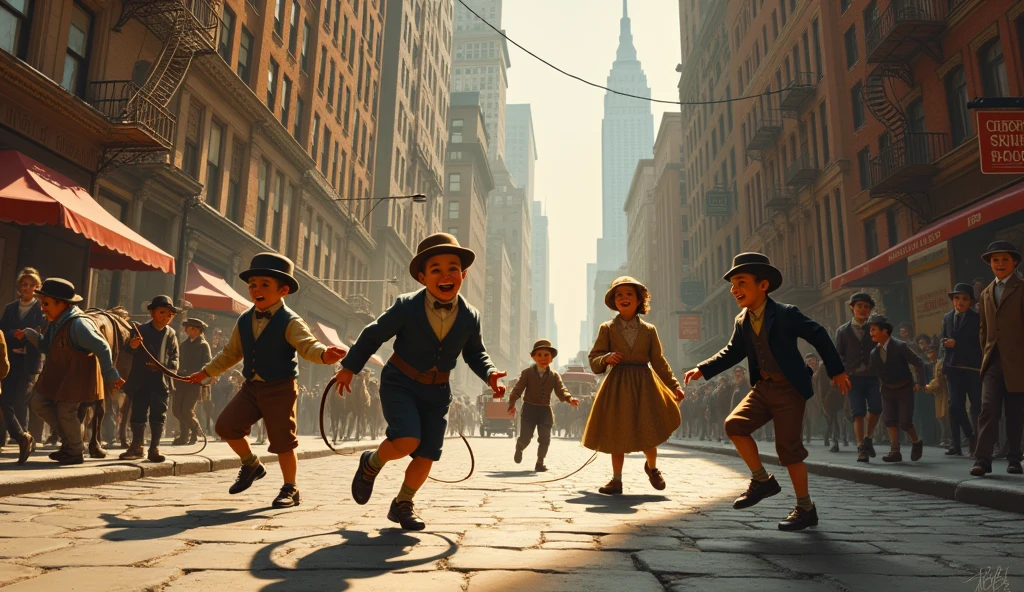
580 36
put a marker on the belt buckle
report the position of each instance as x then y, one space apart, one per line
433 376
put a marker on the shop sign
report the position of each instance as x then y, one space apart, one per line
1001 141
689 327
719 202
692 293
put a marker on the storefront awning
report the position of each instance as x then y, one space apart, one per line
1007 202
205 289
328 335
31 193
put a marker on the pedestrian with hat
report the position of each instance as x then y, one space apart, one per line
854 344
148 387
535 385
268 339
25 361
78 368
432 328
637 406
961 366
892 360
1002 364
766 333
195 355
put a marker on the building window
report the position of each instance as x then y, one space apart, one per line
316 135
307 230
245 55
993 69
843 5
323 70
272 85
826 151
263 185
891 227
857 101
864 164
915 117
870 15
286 100
278 224
841 225
325 156
15 26
279 18
871 238
293 29
960 123
453 207
227 34
213 165
850 40
816 35
76 59
235 182
193 132
304 56
300 108
455 183
330 85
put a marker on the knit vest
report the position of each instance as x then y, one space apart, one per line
765 359
855 352
270 356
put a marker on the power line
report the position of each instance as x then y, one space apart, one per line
612 90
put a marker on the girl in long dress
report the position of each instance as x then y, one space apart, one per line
637 406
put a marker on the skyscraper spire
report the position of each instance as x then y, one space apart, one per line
626 51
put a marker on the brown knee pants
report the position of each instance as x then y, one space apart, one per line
273 402
777 401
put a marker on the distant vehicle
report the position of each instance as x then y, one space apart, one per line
580 381
494 417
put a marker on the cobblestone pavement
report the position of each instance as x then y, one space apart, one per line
187 533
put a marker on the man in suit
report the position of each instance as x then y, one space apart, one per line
1002 363
961 365
891 361
765 333
854 345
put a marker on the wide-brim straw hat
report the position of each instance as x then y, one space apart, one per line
272 265
59 289
757 264
544 344
439 244
609 297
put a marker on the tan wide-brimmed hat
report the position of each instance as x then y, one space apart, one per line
439 244
609 297
544 344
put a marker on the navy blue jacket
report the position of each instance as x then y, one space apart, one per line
967 351
417 344
12 321
784 324
899 357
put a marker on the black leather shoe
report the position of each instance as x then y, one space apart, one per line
518 457
1014 468
916 450
72 459
540 467
246 475
287 498
835 447
870 447
405 515
893 456
25 448
757 491
862 455
981 468
800 519
362 483
954 452
57 454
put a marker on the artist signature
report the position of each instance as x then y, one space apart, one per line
989 580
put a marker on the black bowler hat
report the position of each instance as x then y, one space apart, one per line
272 265
757 264
439 244
861 297
964 289
163 302
880 321
59 289
1001 247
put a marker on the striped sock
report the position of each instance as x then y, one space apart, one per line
406 493
760 474
805 503
375 463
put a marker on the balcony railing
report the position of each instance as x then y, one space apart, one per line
802 171
908 163
767 127
359 303
798 91
779 198
904 28
121 102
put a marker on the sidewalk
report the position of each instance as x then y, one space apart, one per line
935 474
42 474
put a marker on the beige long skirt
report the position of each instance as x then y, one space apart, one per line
633 411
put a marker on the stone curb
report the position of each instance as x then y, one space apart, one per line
970 490
130 471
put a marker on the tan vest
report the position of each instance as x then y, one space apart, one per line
765 359
70 375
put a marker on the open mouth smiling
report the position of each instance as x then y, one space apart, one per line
446 287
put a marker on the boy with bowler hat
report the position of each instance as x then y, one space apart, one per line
1002 363
147 386
268 339
854 344
891 361
195 355
537 383
961 366
432 328
765 333
77 370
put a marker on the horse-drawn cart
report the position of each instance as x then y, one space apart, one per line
494 416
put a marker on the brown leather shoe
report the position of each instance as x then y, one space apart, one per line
24 448
916 450
657 481
614 487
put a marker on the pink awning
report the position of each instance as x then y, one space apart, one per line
205 289
329 336
31 193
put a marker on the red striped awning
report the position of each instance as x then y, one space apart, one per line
205 289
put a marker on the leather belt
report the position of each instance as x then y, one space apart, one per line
633 364
428 377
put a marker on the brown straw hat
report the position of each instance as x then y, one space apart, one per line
609 297
439 244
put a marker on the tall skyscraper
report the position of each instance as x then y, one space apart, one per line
627 135
520 147
480 65
539 270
